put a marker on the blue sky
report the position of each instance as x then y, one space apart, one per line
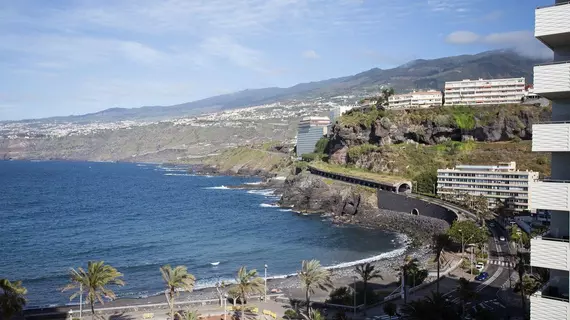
78 56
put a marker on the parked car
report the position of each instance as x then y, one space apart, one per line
482 276
502 238
480 266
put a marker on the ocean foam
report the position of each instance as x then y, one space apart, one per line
254 183
263 192
269 205
385 255
286 210
222 187
179 174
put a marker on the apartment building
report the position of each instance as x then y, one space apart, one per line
417 99
552 81
484 91
309 131
502 182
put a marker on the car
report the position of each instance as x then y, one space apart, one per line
501 238
482 276
480 266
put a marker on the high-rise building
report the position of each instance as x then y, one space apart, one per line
417 99
502 182
484 91
309 131
552 81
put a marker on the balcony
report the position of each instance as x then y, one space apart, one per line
550 251
552 25
549 195
552 80
550 303
551 137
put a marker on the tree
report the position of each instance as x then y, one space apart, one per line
188 315
426 181
434 307
440 242
466 231
313 276
221 290
518 236
247 282
465 293
382 100
314 315
94 281
390 309
233 293
12 300
409 266
366 272
520 269
176 279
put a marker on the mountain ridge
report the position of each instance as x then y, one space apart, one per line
413 75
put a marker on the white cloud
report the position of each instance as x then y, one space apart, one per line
310 54
226 48
523 42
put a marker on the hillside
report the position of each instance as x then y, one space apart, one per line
417 74
415 143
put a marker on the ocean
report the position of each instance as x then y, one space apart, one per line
138 217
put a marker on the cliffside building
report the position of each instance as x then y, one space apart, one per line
309 131
418 99
502 182
552 81
484 91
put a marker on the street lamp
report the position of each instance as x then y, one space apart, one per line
225 305
354 295
265 294
80 300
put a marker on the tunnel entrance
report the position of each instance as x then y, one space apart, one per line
404 188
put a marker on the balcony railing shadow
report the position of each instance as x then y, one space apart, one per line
556 288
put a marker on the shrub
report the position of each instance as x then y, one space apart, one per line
321 145
356 151
425 181
290 314
463 117
313 156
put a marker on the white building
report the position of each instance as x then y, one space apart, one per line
482 92
339 111
552 81
502 182
418 99
310 130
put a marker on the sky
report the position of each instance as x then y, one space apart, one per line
79 56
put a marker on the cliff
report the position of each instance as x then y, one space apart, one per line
407 142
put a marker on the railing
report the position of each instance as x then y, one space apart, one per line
553 5
551 122
548 179
552 63
552 238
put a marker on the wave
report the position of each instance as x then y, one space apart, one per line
254 183
286 210
386 255
222 187
180 174
263 192
269 205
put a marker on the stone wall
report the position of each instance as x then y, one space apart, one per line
406 204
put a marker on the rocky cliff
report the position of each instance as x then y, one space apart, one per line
367 139
353 204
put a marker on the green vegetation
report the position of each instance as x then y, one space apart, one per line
94 282
463 117
321 145
249 158
356 172
247 282
313 276
175 280
440 242
356 151
425 182
12 300
308 157
367 273
466 232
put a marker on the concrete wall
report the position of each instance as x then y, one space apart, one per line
405 204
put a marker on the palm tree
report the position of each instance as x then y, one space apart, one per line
313 276
367 273
390 309
94 281
314 315
188 315
247 282
410 266
176 279
520 269
431 308
12 300
440 242
465 292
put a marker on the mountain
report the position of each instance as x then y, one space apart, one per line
417 74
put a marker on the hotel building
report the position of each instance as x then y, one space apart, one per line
501 182
419 99
552 81
309 131
483 92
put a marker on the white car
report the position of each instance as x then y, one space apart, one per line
480 266
502 238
